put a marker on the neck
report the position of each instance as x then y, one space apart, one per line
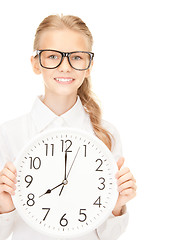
59 104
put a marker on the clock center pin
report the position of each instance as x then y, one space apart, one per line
65 181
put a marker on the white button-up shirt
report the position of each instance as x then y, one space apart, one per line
16 133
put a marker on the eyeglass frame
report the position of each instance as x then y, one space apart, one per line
64 54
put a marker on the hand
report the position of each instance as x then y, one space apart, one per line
65 180
7 187
126 187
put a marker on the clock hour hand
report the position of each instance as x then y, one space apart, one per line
63 183
50 190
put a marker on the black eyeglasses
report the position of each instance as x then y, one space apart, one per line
50 59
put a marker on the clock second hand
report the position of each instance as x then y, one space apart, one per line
65 180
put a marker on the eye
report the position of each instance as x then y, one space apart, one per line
53 57
76 57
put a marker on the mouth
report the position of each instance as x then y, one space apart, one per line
62 80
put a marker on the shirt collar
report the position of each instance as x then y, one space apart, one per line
43 116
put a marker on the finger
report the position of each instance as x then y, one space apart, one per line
130 192
124 178
120 163
122 172
126 185
7 189
5 180
134 179
6 172
11 167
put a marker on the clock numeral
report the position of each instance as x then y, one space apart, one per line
47 149
48 209
101 178
85 150
83 215
30 202
101 162
29 180
98 202
69 142
35 163
63 221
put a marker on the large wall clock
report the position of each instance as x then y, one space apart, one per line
66 183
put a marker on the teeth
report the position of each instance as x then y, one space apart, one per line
63 79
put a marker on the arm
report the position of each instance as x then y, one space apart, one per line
113 227
117 222
7 212
6 224
7 188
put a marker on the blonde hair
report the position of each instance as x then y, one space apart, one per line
85 93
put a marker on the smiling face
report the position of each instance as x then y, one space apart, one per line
63 80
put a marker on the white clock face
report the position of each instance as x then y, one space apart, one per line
65 183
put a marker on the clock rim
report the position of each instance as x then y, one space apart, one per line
90 136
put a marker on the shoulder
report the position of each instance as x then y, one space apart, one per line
116 140
14 124
14 129
13 134
111 128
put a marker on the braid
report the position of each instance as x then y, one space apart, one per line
91 106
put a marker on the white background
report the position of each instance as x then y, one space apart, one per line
132 77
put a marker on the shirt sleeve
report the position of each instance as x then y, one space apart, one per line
4 148
6 224
116 148
6 219
114 226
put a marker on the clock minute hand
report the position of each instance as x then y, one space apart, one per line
49 190
69 172
65 179
65 164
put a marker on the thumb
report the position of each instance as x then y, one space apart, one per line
120 162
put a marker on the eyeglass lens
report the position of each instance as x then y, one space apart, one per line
78 60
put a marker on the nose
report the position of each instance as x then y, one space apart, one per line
64 66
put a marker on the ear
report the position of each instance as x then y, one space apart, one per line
35 65
88 71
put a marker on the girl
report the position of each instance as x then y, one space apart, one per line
68 101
